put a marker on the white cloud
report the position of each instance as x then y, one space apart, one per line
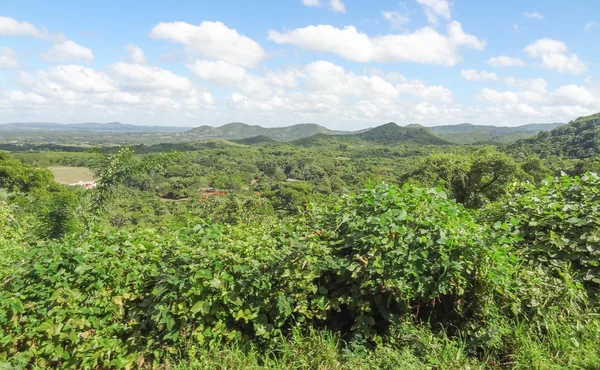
287 79
504 61
7 59
423 46
533 15
553 54
337 6
497 97
214 40
435 9
515 27
219 72
68 51
311 2
136 54
395 18
426 109
473 75
588 26
12 27
144 78
532 101
574 94
326 77
74 78
71 92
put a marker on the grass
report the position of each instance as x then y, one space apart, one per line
566 347
71 175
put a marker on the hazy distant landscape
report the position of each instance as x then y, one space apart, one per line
115 132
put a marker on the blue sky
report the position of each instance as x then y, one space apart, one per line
345 64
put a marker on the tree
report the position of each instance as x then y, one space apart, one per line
19 177
473 178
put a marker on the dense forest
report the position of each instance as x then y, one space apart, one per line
391 248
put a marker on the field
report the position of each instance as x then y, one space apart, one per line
70 175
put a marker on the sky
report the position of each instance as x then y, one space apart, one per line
344 64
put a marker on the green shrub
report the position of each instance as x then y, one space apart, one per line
558 223
410 252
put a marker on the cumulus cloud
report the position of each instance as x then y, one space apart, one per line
473 75
219 72
13 27
145 78
533 15
74 78
214 40
496 97
337 6
7 59
136 54
68 51
396 19
423 46
75 91
311 2
435 9
532 100
553 55
504 61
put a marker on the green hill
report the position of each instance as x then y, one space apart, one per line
387 134
577 139
238 130
466 133
391 133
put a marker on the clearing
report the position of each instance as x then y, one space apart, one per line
71 175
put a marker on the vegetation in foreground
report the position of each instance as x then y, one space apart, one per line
484 263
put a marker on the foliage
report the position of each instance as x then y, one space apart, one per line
473 178
277 256
16 176
558 223
411 251
578 139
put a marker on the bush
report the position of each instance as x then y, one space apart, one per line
558 223
410 252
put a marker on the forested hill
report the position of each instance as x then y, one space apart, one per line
392 133
466 133
577 139
238 130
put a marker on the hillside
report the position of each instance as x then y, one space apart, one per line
387 134
467 133
260 139
238 130
87 127
577 139
391 133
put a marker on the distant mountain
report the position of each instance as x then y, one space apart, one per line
388 134
392 133
84 132
87 127
577 139
238 130
467 133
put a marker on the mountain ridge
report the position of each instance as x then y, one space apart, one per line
464 133
579 138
